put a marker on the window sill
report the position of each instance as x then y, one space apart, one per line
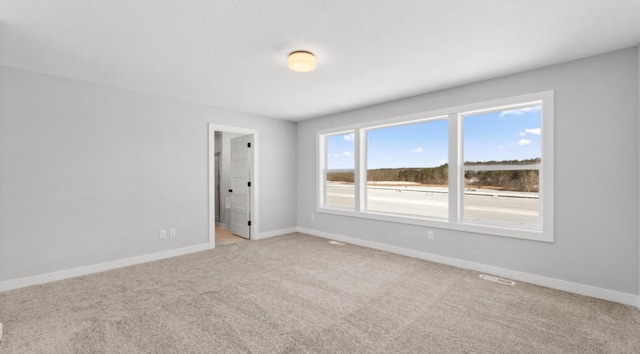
493 230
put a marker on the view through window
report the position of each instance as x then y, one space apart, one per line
407 170
479 168
339 178
502 156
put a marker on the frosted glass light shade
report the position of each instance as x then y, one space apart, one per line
302 61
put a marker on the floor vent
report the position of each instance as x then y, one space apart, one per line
337 243
497 280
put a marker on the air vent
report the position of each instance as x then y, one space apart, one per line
497 280
337 243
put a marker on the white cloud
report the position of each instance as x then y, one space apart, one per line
520 111
343 154
534 131
417 150
500 147
346 154
523 142
348 137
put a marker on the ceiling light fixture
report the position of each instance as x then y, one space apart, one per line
302 61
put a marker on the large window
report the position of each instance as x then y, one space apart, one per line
339 174
484 168
502 162
407 169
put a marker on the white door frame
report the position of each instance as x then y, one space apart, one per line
253 193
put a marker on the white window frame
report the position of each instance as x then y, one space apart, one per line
322 158
545 232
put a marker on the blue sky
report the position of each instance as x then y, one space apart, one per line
505 135
340 150
416 145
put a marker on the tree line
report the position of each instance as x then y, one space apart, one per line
517 180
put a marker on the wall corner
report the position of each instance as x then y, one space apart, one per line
638 141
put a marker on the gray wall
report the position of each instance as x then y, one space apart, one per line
90 174
596 131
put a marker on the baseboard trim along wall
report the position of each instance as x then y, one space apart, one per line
581 289
100 267
274 233
576 288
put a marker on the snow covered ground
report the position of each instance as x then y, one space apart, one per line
487 205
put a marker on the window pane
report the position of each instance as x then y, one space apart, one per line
502 196
407 171
503 137
339 188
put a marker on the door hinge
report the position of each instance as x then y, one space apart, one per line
249 223
248 145
248 184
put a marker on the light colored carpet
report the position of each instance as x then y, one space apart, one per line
300 294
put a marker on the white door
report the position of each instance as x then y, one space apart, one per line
241 158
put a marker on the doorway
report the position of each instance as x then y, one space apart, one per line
233 191
225 237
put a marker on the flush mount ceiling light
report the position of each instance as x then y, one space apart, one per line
302 61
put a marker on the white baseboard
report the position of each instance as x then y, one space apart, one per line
576 288
100 267
274 233
587 290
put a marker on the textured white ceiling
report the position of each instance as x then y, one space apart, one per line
232 53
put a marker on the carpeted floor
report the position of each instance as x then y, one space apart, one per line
300 294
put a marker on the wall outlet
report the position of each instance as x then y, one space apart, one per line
163 233
430 235
313 216
172 233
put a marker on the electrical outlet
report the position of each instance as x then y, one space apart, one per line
430 235
163 233
172 233
313 216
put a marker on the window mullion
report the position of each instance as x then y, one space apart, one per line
360 170
322 175
502 167
455 171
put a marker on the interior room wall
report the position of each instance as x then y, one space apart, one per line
91 174
596 176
